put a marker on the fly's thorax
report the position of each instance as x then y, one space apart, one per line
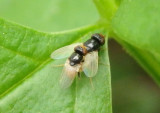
75 58
81 50
92 45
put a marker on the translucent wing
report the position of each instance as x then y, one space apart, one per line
90 65
68 74
64 51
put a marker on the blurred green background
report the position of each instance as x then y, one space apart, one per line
49 15
133 90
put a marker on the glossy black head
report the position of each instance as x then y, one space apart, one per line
81 50
75 58
99 37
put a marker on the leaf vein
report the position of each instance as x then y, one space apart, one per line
26 77
20 54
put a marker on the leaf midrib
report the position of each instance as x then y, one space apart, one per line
27 76
20 54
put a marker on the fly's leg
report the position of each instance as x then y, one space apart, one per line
90 78
79 75
59 65
79 72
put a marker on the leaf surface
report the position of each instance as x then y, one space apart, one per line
30 80
49 15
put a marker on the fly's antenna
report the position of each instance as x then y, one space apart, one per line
90 78
59 65
79 75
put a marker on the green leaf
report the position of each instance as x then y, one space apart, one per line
107 9
137 25
30 81
49 15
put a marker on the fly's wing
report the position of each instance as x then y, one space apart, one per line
68 75
90 65
64 51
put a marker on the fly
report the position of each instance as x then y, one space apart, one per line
84 58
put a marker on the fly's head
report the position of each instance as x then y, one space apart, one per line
99 37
